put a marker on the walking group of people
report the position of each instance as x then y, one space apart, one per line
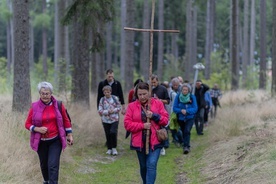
170 105
152 108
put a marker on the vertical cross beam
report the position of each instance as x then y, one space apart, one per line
151 31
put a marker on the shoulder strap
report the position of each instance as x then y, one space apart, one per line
114 98
59 105
59 108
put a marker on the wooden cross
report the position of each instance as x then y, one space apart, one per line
151 30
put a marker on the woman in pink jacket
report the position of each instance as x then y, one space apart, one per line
135 121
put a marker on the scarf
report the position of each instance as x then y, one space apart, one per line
184 98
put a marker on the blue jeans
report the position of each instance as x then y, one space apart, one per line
186 127
177 136
49 156
148 165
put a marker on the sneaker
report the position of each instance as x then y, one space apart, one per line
186 150
109 152
114 151
163 151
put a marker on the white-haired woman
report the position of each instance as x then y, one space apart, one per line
185 107
49 127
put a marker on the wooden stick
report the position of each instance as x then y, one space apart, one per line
151 30
150 71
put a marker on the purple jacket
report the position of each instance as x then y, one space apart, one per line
38 108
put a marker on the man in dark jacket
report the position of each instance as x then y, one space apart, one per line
200 90
116 89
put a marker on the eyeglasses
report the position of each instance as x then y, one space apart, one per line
45 94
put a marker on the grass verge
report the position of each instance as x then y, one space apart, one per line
90 164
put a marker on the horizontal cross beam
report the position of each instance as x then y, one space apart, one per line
151 30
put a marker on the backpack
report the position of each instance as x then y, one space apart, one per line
59 108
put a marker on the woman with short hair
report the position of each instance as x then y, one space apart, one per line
49 127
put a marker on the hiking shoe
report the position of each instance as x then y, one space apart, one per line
186 150
163 151
109 152
114 151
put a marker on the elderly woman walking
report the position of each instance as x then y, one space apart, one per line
49 127
185 107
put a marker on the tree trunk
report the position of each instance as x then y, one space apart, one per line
123 40
208 41
9 49
109 28
129 46
235 59
160 54
21 86
188 47
80 79
252 33
10 39
94 77
273 84
212 27
262 79
174 47
62 49
245 51
194 38
31 52
44 44
56 44
144 56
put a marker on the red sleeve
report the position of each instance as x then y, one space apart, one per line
28 122
130 95
66 121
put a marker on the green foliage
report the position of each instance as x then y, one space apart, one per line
3 76
5 13
173 67
42 20
92 14
220 70
3 67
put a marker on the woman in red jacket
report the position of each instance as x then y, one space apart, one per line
135 121
49 127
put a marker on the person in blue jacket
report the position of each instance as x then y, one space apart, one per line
185 106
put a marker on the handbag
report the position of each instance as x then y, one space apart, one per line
162 134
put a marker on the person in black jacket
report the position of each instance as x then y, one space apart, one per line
200 90
116 89
160 92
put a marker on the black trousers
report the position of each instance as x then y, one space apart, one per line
111 131
199 120
49 156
